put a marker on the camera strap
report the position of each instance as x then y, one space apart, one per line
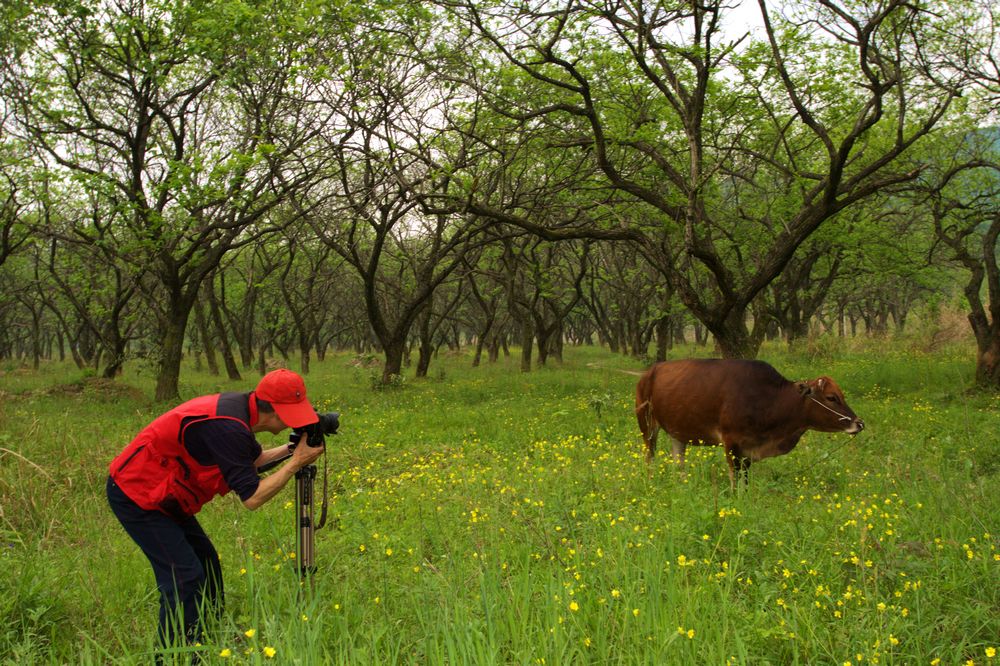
322 510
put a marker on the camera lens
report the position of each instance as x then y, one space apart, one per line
329 422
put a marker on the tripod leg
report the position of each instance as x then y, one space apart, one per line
304 518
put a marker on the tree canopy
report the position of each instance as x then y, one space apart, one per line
528 172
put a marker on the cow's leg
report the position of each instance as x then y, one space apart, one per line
649 428
654 430
677 450
739 466
742 469
731 456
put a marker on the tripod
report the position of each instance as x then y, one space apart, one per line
305 477
304 526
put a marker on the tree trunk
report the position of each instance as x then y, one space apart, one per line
262 360
226 350
542 335
733 340
425 346
493 348
207 345
393 350
36 340
171 352
74 350
424 358
663 338
527 339
117 359
556 344
484 333
304 347
988 365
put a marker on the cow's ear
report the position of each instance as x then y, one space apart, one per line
804 388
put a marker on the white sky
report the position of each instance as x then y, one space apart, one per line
743 17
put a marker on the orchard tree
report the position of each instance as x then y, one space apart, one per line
963 200
308 281
624 297
739 150
239 295
385 105
92 293
17 198
178 115
485 315
436 323
17 168
558 271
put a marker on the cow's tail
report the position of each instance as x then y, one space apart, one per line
648 425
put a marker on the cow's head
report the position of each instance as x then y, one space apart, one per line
825 407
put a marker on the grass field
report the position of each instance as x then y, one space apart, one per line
485 516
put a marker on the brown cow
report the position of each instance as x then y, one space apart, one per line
747 406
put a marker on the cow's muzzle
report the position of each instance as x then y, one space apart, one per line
857 425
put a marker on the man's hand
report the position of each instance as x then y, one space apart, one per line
304 454
270 485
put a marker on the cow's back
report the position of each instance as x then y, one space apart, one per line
693 399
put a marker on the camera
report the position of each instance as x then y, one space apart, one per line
316 432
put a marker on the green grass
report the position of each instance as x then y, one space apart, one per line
485 516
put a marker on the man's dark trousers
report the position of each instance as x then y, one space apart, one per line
185 563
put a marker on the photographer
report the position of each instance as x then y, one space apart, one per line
183 459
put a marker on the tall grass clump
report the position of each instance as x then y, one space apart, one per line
488 516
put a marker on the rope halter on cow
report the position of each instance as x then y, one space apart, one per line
842 417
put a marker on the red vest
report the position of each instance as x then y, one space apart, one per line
157 472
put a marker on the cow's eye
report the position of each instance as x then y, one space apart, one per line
835 399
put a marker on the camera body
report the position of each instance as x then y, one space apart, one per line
316 433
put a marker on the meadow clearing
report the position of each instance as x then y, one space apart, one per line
485 516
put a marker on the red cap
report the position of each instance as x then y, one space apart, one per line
286 392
